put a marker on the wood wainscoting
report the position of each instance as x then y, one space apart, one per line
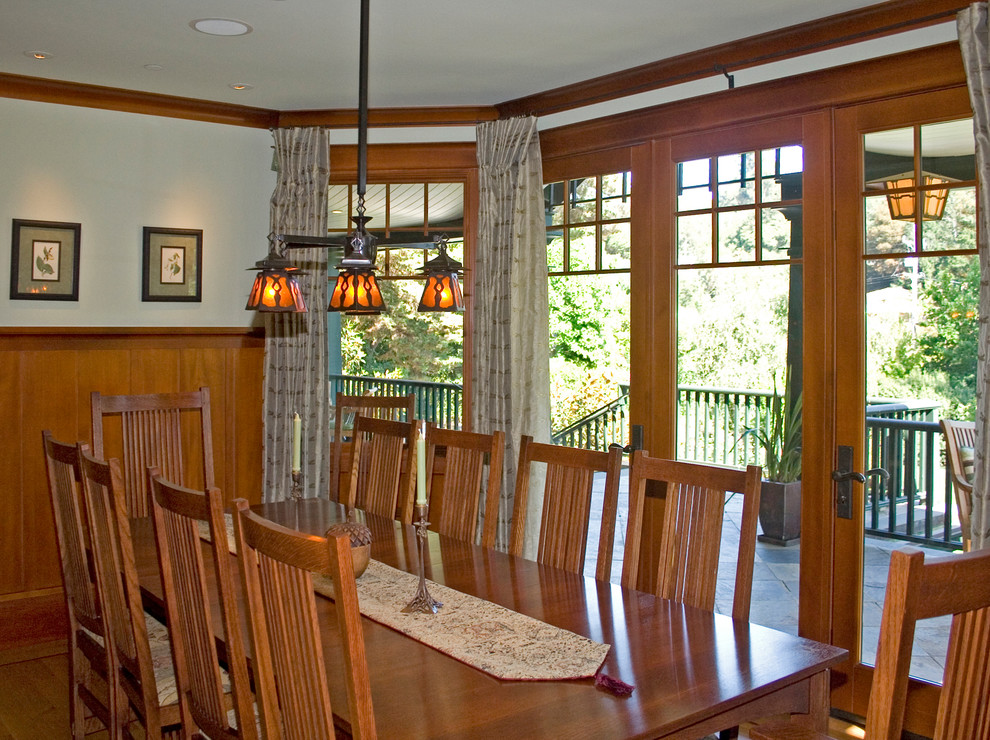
46 377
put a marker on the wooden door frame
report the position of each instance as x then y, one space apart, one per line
852 680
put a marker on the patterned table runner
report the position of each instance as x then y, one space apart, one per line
487 636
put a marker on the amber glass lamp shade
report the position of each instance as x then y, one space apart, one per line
275 288
442 293
443 286
902 206
356 292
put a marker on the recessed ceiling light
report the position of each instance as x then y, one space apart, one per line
153 67
38 54
241 86
221 26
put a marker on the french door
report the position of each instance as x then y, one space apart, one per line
880 249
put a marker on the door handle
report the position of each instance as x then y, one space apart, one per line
844 475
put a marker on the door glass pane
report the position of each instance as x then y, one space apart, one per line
921 334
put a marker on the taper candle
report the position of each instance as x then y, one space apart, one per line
421 465
296 443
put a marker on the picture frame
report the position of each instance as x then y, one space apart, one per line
172 264
44 260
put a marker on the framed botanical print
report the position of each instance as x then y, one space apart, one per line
44 261
172 264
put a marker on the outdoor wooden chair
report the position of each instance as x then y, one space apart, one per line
461 458
960 445
383 470
89 672
140 660
570 475
957 585
151 434
347 408
691 534
289 671
204 689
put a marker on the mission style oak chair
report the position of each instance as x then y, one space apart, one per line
394 408
958 585
691 533
960 443
570 474
382 478
88 632
290 675
141 662
454 504
151 433
204 692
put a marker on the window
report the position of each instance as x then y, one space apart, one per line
739 296
588 261
403 343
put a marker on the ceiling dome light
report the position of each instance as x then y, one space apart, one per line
38 54
221 27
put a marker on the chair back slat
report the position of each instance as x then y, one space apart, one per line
178 513
383 468
276 566
347 408
691 532
153 428
455 504
567 504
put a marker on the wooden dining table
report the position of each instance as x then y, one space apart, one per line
693 672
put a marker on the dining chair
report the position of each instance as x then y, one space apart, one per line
460 457
151 433
957 585
570 477
140 659
382 477
394 408
291 683
691 532
204 689
89 673
960 446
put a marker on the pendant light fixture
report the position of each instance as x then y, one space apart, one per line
443 287
902 206
356 290
275 289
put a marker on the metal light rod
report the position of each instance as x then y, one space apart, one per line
362 184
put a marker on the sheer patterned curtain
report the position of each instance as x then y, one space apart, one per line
974 40
511 377
296 343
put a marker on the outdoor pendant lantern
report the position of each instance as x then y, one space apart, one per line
275 288
902 206
443 288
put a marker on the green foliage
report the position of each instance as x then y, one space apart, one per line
403 343
781 438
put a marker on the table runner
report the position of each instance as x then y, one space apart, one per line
490 637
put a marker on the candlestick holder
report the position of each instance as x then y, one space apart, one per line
422 603
296 490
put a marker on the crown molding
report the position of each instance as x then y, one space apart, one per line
875 21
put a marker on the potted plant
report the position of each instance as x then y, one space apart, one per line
780 494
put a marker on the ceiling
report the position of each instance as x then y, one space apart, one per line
303 54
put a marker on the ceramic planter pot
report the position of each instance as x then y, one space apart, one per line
780 512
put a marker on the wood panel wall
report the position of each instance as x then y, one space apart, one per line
46 377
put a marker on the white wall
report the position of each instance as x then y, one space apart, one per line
116 173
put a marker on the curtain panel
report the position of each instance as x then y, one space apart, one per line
974 41
296 373
511 376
